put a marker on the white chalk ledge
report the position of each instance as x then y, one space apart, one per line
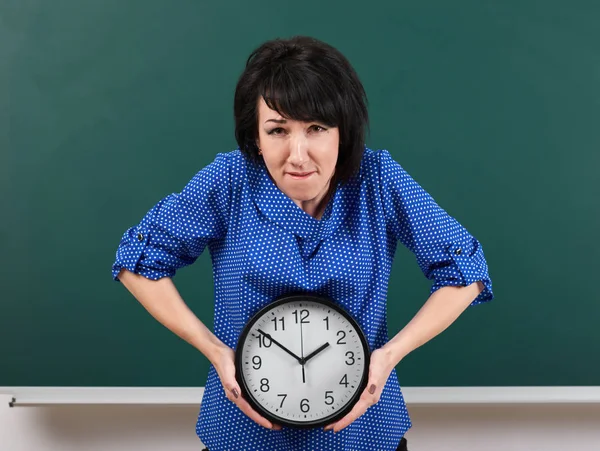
37 396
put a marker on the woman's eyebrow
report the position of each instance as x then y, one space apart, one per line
278 121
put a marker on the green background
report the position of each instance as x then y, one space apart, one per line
105 107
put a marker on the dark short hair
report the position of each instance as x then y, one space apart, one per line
303 79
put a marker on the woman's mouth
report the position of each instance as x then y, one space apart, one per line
300 175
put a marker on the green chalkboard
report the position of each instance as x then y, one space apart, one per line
105 107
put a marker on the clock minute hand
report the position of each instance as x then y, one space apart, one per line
281 346
315 352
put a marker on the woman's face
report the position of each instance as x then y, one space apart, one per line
300 156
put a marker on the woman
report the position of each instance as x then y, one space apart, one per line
302 205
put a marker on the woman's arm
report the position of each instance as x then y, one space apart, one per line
163 301
442 308
439 311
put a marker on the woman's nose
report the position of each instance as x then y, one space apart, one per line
298 150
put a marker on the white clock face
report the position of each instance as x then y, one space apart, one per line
303 331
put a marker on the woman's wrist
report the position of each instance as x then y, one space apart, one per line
394 351
213 349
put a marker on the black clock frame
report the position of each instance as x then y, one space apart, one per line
300 297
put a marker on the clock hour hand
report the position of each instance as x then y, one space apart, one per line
281 346
315 352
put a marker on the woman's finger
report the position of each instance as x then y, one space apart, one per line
372 393
226 372
254 415
369 397
234 395
357 411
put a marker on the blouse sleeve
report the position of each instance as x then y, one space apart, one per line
445 251
175 231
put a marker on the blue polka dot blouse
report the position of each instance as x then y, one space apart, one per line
263 246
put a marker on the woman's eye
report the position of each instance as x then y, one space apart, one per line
318 128
276 131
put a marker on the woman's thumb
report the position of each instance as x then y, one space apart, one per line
232 390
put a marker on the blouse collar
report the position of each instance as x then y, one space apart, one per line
282 210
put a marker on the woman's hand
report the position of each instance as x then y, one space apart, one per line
224 363
163 301
380 368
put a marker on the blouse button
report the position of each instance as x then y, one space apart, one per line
458 251
140 237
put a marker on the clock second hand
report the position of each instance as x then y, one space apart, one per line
302 353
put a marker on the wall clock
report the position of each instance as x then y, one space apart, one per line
302 361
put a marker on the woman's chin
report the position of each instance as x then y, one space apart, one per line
301 195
